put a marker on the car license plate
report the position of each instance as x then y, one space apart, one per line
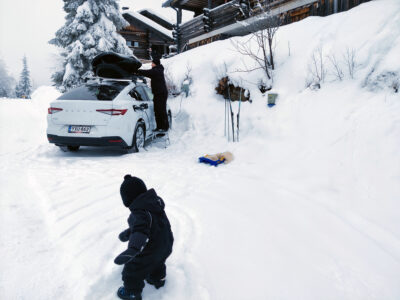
79 129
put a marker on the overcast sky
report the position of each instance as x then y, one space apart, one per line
26 26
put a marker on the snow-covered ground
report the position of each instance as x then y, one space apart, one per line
309 208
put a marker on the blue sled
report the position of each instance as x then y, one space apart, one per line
271 104
214 163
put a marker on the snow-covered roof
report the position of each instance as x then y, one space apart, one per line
164 21
128 15
191 4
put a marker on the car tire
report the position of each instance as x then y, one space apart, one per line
73 148
169 119
139 137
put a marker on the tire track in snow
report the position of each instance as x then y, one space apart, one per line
77 216
183 276
184 272
87 234
376 234
53 263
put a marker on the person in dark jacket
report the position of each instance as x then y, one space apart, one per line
150 239
160 92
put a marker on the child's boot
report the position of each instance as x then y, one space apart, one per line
128 295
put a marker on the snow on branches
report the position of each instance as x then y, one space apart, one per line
90 29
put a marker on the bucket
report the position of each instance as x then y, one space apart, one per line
272 99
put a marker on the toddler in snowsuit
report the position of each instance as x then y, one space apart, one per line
150 239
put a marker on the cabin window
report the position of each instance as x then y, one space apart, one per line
133 44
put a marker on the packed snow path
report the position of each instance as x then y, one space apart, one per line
268 226
309 208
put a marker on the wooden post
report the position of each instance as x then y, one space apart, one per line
178 10
327 7
210 4
321 8
342 6
179 15
335 6
148 44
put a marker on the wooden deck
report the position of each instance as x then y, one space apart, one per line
225 16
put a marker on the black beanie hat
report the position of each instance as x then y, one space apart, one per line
156 58
156 61
131 187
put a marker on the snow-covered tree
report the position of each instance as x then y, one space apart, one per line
6 82
24 87
91 28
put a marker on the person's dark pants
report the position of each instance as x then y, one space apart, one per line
160 111
134 274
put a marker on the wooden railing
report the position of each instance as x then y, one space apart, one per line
192 28
231 12
226 14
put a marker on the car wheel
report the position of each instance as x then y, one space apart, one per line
169 119
139 137
73 148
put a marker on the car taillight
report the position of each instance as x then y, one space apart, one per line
53 110
112 112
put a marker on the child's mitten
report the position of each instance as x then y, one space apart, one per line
125 256
124 235
137 242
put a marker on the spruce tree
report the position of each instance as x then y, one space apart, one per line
7 82
24 87
90 29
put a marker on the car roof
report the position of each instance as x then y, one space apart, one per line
136 81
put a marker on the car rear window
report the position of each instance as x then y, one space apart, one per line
106 91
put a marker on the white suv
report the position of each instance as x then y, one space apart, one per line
103 112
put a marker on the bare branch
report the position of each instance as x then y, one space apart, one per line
263 52
338 72
247 70
350 60
316 68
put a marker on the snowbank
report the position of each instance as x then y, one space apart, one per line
23 122
376 51
307 210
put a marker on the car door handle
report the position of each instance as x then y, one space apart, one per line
142 106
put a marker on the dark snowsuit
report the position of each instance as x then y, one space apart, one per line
150 229
160 91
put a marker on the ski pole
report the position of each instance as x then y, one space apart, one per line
238 115
227 114
225 118
232 120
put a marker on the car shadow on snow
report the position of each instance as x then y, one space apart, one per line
88 152
158 143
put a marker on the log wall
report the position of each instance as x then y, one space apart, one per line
145 39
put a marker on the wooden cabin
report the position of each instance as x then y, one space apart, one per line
221 19
147 30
